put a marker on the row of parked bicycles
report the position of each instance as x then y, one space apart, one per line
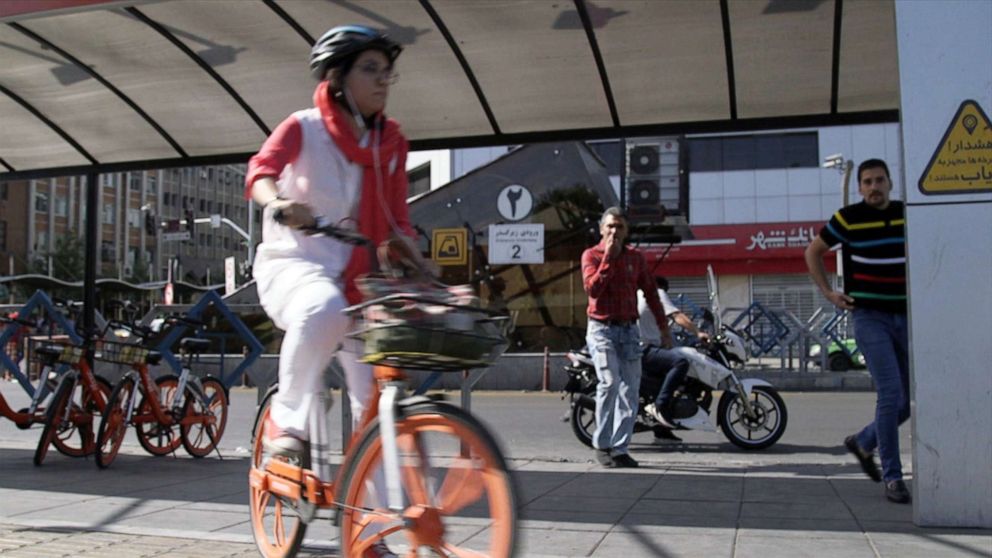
83 414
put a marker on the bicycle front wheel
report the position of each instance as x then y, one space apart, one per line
113 425
275 524
458 496
158 439
209 417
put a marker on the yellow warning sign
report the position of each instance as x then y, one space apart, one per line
962 162
449 246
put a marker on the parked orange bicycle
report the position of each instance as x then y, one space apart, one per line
419 473
79 400
171 410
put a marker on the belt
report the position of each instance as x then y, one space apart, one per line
615 322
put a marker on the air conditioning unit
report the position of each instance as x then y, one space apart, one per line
653 178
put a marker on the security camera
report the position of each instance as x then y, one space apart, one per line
833 161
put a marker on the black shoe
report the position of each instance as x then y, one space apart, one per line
866 459
624 461
663 435
897 492
604 458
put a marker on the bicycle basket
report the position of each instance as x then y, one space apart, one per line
416 326
121 353
68 353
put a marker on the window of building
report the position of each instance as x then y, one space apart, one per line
108 214
41 202
106 251
750 152
134 181
419 179
3 190
203 206
134 218
3 236
61 206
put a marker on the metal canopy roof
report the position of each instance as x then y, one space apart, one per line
145 84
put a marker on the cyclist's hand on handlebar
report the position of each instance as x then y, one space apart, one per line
293 214
403 251
703 336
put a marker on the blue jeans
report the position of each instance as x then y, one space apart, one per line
616 352
884 340
668 365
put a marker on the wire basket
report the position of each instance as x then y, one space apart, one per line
424 331
121 353
68 353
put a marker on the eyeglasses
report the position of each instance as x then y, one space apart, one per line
386 74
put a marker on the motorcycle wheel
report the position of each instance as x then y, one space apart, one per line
583 418
757 433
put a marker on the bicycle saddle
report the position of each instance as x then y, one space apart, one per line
194 344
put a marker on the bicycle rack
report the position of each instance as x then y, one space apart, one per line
209 298
804 337
761 328
38 300
833 328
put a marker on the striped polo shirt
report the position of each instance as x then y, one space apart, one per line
874 249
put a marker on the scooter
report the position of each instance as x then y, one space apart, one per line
751 413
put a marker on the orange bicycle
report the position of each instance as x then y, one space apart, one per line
171 409
79 400
419 473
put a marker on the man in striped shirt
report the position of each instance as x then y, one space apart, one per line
874 248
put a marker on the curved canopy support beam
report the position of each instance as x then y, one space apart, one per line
55 127
457 51
158 27
93 73
580 6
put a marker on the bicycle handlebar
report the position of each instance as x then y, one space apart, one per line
22 321
338 233
176 319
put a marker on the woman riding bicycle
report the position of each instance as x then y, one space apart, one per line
343 162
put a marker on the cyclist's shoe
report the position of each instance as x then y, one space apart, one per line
279 442
379 550
897 492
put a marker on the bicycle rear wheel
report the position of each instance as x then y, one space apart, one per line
276 527
200 438
458 496
113 425
156 438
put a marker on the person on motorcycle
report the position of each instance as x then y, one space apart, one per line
660 362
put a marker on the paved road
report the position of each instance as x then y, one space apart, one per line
803 497
530 427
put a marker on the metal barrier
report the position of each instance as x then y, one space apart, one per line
196 311
762 329
39 300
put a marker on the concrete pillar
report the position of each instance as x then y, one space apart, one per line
945 58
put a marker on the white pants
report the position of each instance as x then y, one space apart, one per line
308 307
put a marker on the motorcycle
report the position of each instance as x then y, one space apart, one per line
751 413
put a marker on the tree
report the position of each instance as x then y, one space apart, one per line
68 259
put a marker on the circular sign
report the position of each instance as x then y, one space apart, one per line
514 202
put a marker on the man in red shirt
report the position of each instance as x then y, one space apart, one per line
611 275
